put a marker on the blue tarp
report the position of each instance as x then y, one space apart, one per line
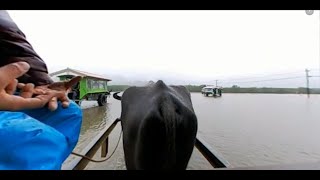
38 139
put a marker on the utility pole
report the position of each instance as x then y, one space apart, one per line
307 76
216 83
310 12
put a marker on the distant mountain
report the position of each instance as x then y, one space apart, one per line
142 78
141 81
124 80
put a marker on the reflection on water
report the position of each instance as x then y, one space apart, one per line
94 120
247 129
261 129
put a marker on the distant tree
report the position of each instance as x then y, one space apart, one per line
235 86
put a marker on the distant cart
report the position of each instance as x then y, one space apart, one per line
92 87
214 91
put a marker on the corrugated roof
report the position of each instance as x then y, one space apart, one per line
81 73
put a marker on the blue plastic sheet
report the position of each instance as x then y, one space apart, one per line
38 139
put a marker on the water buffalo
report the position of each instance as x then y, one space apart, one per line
159 126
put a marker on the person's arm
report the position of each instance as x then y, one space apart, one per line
14 47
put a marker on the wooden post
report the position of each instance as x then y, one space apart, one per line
104 148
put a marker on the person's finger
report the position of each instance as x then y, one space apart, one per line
20 85
27 90
11 88
39 91
65 104
65 101
63 98
43 87
50 98
12 71
53 104
15 103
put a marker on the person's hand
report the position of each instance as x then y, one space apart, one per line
9 83
60 87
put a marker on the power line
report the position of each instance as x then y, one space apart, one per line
269 80
314 69
314 76
231 79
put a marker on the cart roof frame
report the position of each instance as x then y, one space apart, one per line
80 73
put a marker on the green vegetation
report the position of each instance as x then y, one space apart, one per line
237 89
300 90
115 88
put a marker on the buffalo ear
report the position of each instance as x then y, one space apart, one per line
72 82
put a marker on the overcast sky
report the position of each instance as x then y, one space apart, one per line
197 45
